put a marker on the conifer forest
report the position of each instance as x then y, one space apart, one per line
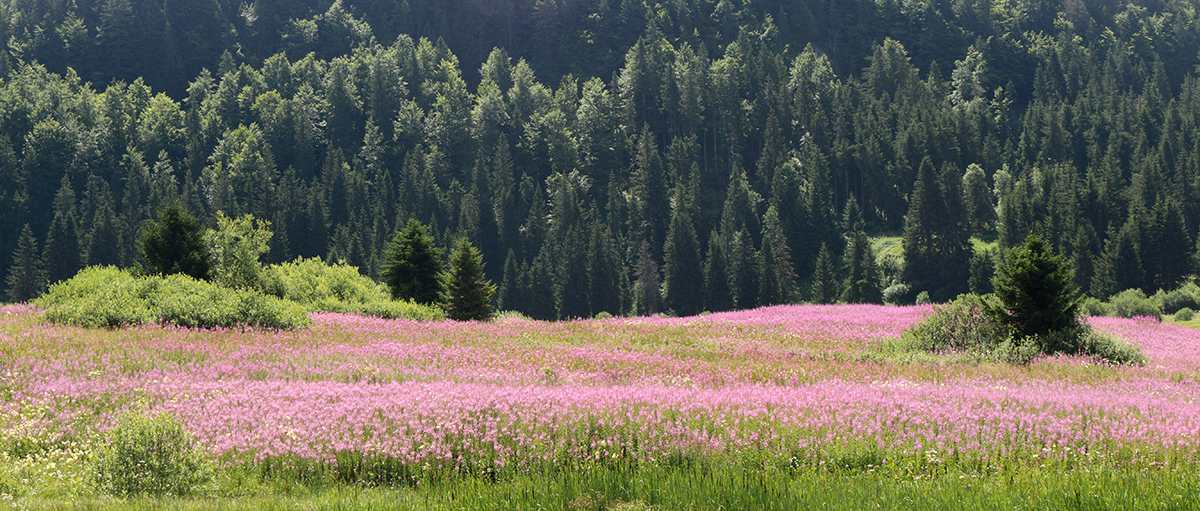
616 156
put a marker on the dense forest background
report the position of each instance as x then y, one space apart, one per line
621 156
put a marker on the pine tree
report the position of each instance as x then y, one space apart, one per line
1036 294
173 244
1171 246
26 280
824 283
413 264
466 292
682 290
717 295
61 257
508 295
648 281
778 277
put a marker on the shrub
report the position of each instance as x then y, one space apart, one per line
1094 307
149 456
319 286
923 298
962 325
1184 314
897 294
969 324
1187 295
1132 303
108 297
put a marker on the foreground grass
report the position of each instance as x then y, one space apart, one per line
700 487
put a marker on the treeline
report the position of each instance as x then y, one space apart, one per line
699 177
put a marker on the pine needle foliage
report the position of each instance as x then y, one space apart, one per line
466 293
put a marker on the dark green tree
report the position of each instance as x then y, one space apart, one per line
26 280
413 264
778 280
173 243
61 253
466 292
1171 246
824 282
648 282
1037 296
682 289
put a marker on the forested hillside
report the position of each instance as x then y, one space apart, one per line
616 156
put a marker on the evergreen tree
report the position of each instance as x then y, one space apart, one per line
26 280
413 264
466 292
508 295
61 255
682 290
778 277
604 271
1120 267
648 282
824 282
861 284
173 244
1036 295
717 295
1171 246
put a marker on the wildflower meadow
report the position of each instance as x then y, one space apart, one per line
777 406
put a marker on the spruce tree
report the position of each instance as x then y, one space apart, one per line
413 264
682 290
466 292
61 257
648 281
1172 246
1037 296
173 244
824 283
26 280
778 280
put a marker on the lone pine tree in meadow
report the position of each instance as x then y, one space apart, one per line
466 293
413 264
1037 296
173 244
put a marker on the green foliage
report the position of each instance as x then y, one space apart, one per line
467 294
151 456
969 324
1035 294
1184 314
319 286
1133 303
235 247
1187 295
26 278
412 265
109 297
173 244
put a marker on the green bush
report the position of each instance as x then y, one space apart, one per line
1184 314
108 297
969 324
149 456
323 287
1186 296
1094 307
961 325
1132 303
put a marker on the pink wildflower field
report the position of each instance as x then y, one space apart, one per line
792 381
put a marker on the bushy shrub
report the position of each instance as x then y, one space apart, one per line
1133 303
897 294
969 324
1187 295
1184 314
149 456
319 286
108 297
1094 307
962 325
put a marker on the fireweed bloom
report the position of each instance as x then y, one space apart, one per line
780 380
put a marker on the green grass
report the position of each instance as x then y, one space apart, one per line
705 486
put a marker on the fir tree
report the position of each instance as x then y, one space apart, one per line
648 281
26 280
61 257
1036 294
466 292
682 290
1171 247
778 277
413 264
824 283
173 244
